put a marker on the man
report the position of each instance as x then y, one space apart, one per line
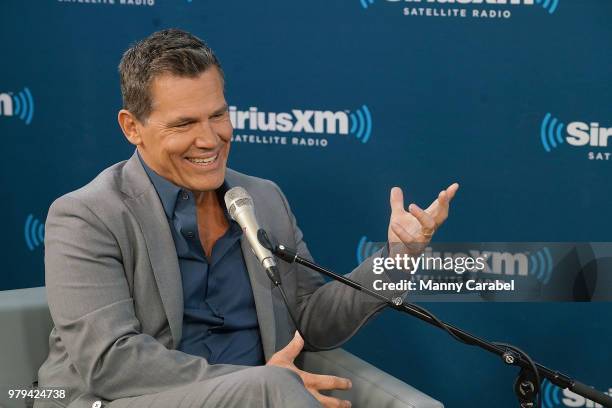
156 299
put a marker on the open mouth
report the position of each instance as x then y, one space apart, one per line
203 162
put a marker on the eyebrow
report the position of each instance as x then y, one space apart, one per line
182 120
221 110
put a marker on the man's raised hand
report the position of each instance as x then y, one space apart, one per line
417 226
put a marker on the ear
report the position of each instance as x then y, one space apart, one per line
130 126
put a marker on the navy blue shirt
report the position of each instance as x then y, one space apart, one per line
219 319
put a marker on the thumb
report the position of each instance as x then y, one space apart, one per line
396 199
293 349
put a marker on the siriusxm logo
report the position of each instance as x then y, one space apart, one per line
33 232
555 397
554 133
419 7
148 3
356 123
20 105
537 264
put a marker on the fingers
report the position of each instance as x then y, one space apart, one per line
444 198
396 200
331 402
429 219
327 382
440 211
451 190
293 349
440 206
316 383
428 224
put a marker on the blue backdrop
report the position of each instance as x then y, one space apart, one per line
512 101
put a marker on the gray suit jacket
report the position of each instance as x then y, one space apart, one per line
115 295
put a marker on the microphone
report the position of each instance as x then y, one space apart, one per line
240 207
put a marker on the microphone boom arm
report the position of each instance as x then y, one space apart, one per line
509 354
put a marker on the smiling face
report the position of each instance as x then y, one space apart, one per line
186 137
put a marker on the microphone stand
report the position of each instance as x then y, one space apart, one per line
527 383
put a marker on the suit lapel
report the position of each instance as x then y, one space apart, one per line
147 209
262 292
260 283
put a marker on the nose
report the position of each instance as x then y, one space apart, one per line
206 137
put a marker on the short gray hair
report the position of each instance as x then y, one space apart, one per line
170 51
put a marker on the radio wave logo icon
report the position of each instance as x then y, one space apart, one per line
551 395
366 3
366 249
33 232
549 5
361 123
541 265
550 132
20 105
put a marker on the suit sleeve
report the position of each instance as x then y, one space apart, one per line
331 313
93 312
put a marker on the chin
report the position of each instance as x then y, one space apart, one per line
211 183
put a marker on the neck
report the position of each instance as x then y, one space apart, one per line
212 223
206 199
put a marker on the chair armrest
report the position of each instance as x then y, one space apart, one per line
371 387
25 325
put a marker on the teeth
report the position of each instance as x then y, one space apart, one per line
203 161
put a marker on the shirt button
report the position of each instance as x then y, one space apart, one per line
189 234
185 195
